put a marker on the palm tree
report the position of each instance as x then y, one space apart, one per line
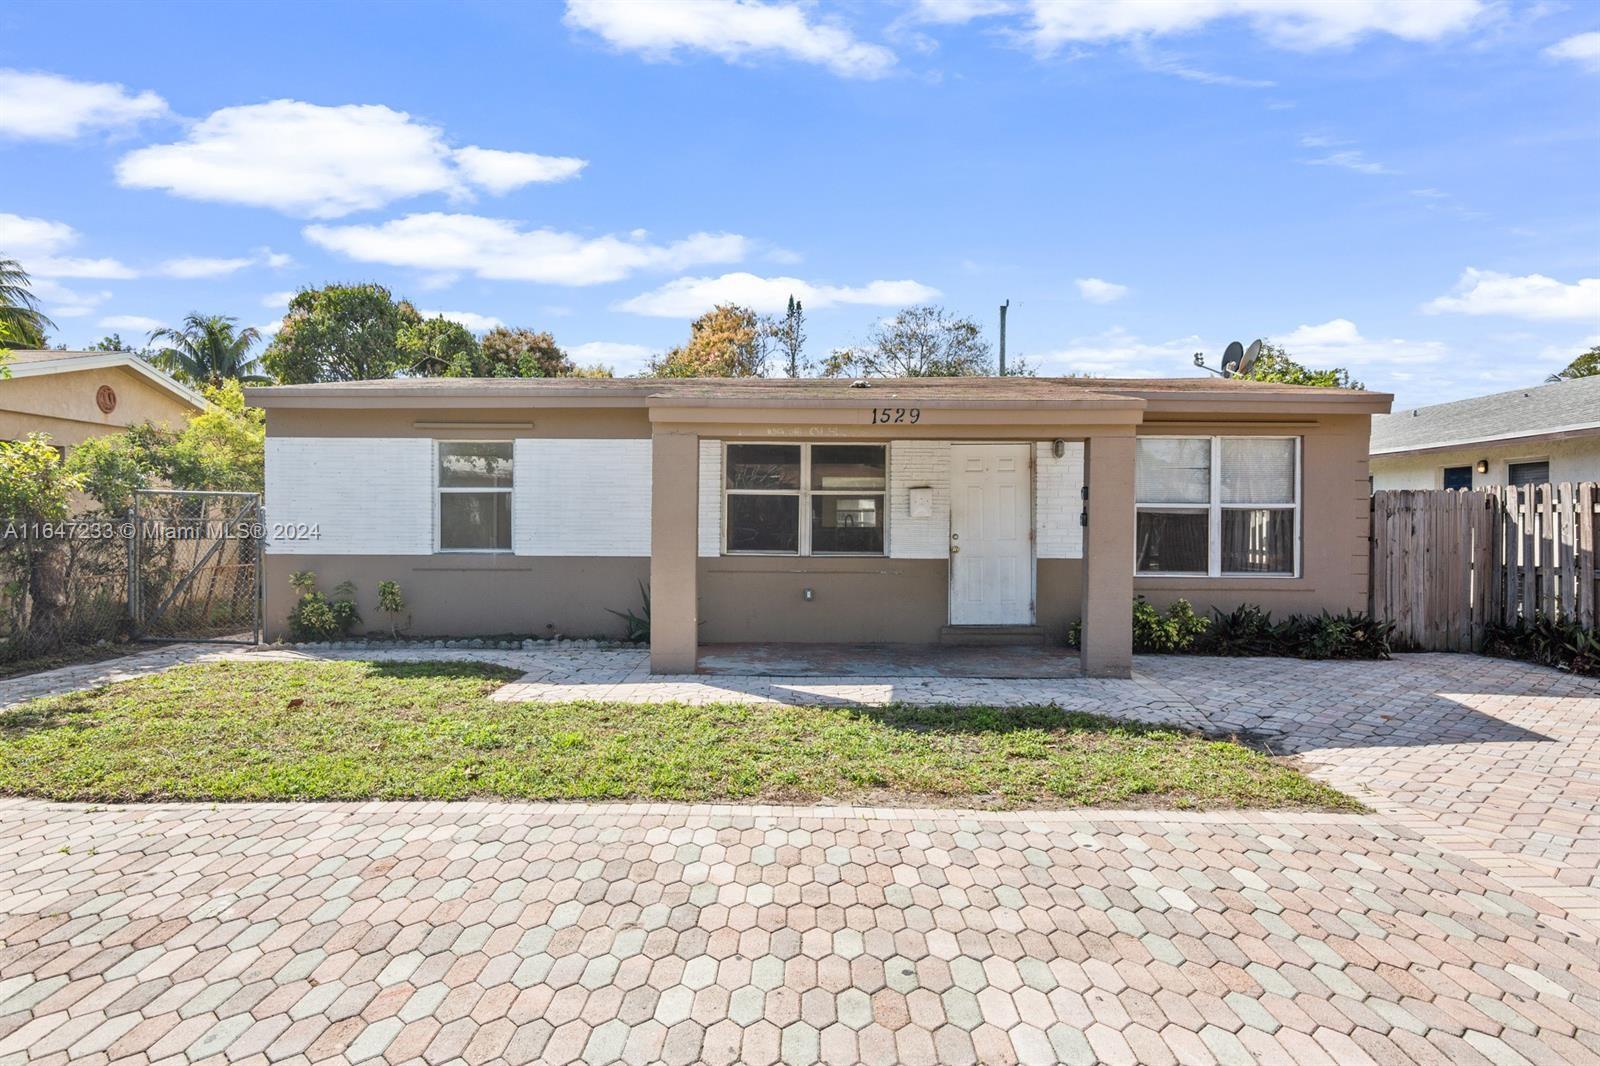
19 309
208 351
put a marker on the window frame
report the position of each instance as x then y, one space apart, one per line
804 494
439 490
1214 507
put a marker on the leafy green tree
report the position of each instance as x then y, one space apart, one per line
790 332
919 342
222 447
438 347
19 309
1586 365
340 333
110 343
208 350
1275 364
728 341
35 490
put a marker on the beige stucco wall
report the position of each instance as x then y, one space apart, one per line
1574 459
464 595
1335 523
63 405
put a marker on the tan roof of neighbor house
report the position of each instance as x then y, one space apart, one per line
954 392
37 362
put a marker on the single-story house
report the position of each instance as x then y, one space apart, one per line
1522 437
74 396
889 510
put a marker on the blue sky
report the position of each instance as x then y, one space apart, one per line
1408 189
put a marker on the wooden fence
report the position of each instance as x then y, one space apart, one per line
1447 563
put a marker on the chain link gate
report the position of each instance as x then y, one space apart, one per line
194 566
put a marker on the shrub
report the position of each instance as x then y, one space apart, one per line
1549 641
1352 635
1177 630
391 603
1245 630
314 617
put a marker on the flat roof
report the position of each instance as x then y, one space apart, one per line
809 392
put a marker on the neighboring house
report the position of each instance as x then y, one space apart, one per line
1522 437
74 396
906 510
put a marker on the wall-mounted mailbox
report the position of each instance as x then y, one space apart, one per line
921 501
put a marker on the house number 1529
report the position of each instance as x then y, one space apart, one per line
885 415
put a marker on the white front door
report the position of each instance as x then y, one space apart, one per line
991 543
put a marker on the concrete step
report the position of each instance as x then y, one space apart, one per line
979 636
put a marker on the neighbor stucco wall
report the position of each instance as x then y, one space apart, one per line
1335 523
1577 459
63 405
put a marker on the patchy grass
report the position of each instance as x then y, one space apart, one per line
367 730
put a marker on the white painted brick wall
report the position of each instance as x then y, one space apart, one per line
710 498
581 496
1058 501
365 495
914 463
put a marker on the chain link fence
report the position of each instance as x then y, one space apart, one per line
179 565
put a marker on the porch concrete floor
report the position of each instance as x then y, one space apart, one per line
888 660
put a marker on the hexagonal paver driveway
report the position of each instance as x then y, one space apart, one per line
522 933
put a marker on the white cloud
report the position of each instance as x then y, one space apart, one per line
471 319
687 297
735 30
48 107
37 243
1100 291
621 358
275 260
1338 342
496 248
1582 49
194 266
959 11
1485 292
141 323
62 302
277 300
1296 24
501 172
1349 159
1118 353
324 162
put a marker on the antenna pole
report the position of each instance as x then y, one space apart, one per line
1003 337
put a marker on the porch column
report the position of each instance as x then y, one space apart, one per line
1108 557
674 551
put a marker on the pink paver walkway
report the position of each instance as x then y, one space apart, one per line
518 933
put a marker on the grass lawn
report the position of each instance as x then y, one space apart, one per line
366 730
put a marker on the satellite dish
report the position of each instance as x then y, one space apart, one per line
1231 357
1251 354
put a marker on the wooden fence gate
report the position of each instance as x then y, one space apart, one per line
1447 563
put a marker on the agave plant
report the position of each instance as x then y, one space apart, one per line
209 350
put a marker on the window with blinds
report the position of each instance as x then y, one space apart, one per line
1218 506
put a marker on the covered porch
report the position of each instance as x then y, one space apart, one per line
987 441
